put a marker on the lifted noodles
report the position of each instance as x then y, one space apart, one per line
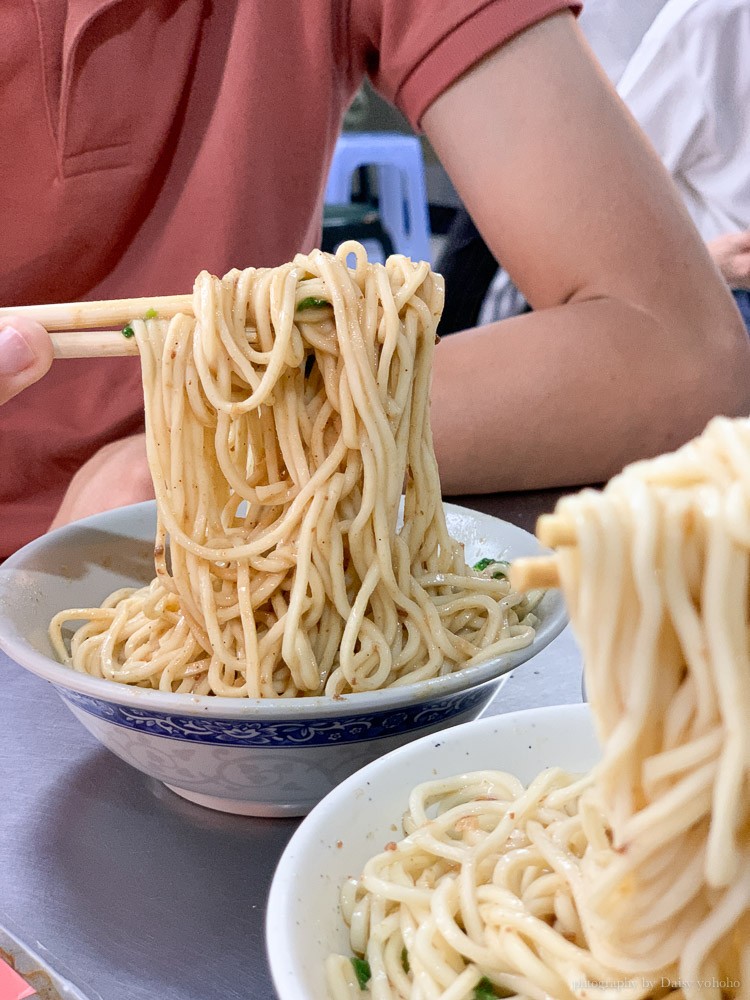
632 882
283 424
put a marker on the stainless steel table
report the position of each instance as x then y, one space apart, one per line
131 892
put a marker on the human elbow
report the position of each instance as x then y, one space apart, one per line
712 376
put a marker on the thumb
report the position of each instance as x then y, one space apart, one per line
25 355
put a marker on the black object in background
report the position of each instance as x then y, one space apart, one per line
468 267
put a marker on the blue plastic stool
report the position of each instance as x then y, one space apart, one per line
402 192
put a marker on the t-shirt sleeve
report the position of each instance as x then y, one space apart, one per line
413 50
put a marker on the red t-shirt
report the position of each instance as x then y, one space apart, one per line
145 140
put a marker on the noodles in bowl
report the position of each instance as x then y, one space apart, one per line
283 423
311 610
634 880
263 756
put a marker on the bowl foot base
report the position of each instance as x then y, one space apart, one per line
241 807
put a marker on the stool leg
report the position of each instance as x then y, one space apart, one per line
391 204
419 221
402 191
346 160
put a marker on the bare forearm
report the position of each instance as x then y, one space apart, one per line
635 342
117 475
569 395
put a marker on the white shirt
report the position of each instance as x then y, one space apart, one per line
687 82
614 29
688 86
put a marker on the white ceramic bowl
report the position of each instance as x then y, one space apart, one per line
252 756
357 819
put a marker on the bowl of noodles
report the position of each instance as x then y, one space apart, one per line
607 852
319 941
298 600
260 756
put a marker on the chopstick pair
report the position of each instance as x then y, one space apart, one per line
66 321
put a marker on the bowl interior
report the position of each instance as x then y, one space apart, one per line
80 564
359 817
74 567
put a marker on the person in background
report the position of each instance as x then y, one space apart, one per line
732 256
683 69
155 139
688 85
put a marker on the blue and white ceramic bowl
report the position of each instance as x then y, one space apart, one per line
251 756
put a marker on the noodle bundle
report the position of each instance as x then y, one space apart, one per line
284 422
633 881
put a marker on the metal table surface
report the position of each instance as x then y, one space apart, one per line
135 894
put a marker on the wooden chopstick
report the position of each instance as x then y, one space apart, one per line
534 573
102 344
543 572
65 318
555 531
96 315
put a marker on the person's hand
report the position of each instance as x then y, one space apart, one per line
117 475
25 355
731 253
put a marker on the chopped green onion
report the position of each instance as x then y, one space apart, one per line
128 331
483 564
362 971
484 990
405 960
151 314
311 302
